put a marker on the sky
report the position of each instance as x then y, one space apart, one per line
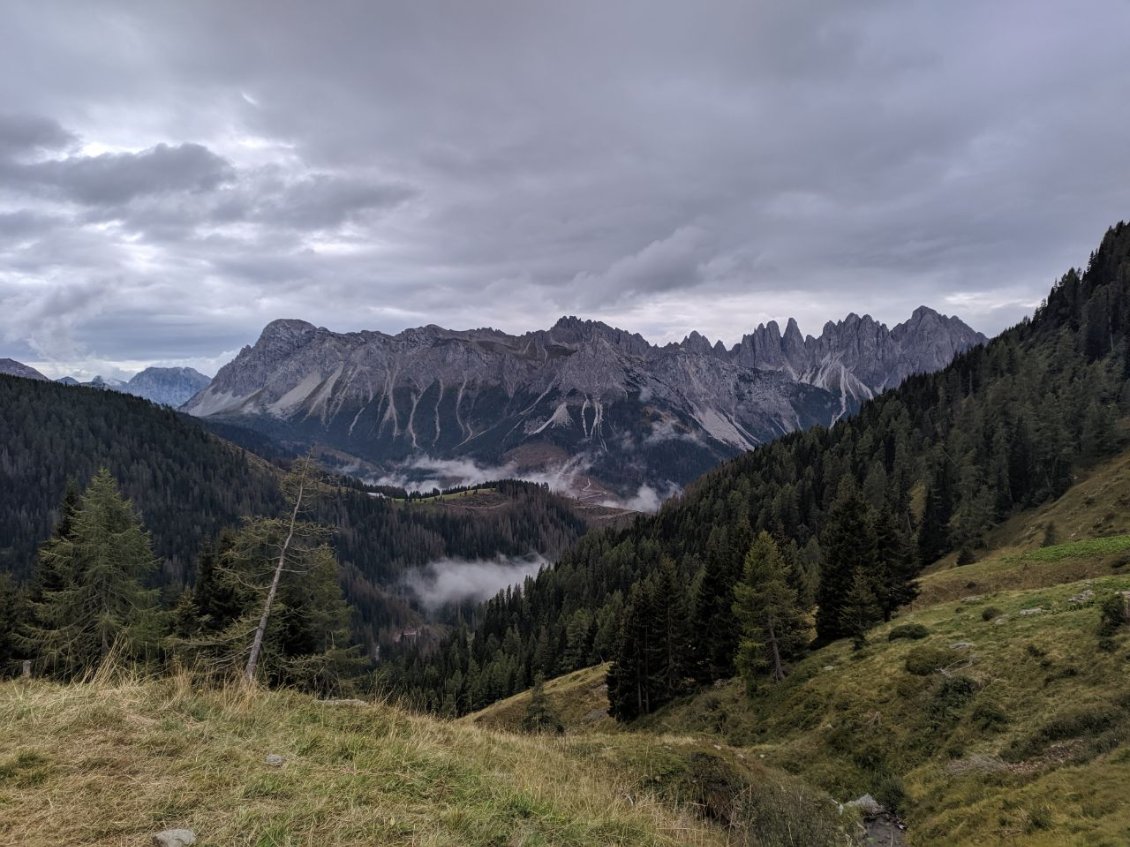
173 175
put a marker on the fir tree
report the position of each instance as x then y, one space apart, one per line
849 546
860 610
91 596
773 626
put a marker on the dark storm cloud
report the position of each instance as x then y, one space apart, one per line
664 166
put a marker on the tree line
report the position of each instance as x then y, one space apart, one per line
190 487
853 512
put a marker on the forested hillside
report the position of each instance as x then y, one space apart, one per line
189 485
858 509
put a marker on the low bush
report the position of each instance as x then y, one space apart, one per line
990 612
923 661
1088 722
912 631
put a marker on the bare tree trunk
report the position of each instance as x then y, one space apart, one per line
260 631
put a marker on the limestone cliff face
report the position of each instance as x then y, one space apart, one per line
630 411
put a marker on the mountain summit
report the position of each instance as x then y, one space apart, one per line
581 395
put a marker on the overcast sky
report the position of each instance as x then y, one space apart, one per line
174 175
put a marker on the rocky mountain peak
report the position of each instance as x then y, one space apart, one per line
13 368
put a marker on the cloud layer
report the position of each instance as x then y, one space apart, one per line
174 176
448 581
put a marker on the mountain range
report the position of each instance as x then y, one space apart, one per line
163 386
582 405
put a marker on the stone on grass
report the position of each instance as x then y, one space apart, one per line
275 760
867 805
175 838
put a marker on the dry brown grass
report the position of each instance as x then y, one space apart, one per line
113 760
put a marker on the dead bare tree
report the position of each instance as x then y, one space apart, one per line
280 566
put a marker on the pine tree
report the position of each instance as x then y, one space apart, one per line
773 627
849 546
860 609
894 584
13 617
91 598
651 663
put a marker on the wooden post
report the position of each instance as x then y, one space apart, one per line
27 669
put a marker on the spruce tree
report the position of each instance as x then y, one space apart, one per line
895 583
860 610
773 627
91 597
13 617
849 546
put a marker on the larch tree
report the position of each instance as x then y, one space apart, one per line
268 602
91 598
774 629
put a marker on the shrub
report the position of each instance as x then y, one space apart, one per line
923 661
950 699
1112 614
990 612
989 716
913 631
890 793
966 556
787 815
1088 722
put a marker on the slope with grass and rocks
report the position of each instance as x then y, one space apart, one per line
115 762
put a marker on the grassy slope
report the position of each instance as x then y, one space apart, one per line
1034 749
579 699
108 764
1097 506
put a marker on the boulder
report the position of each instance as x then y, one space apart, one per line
275 760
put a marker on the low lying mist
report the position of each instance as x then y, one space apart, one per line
422 474
448 581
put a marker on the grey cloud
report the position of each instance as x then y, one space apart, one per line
322 201
665 166
23 134
115 178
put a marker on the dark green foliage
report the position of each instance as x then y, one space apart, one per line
951 696
850 548
653 656
1113 614
90 599
1051 537
1085 722
924 660
990 612
774 630
189 487
999 430
860 610
989 716
306 639
540 716
14 613
912 631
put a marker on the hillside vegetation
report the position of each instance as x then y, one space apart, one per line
924 473
111 762
992 711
